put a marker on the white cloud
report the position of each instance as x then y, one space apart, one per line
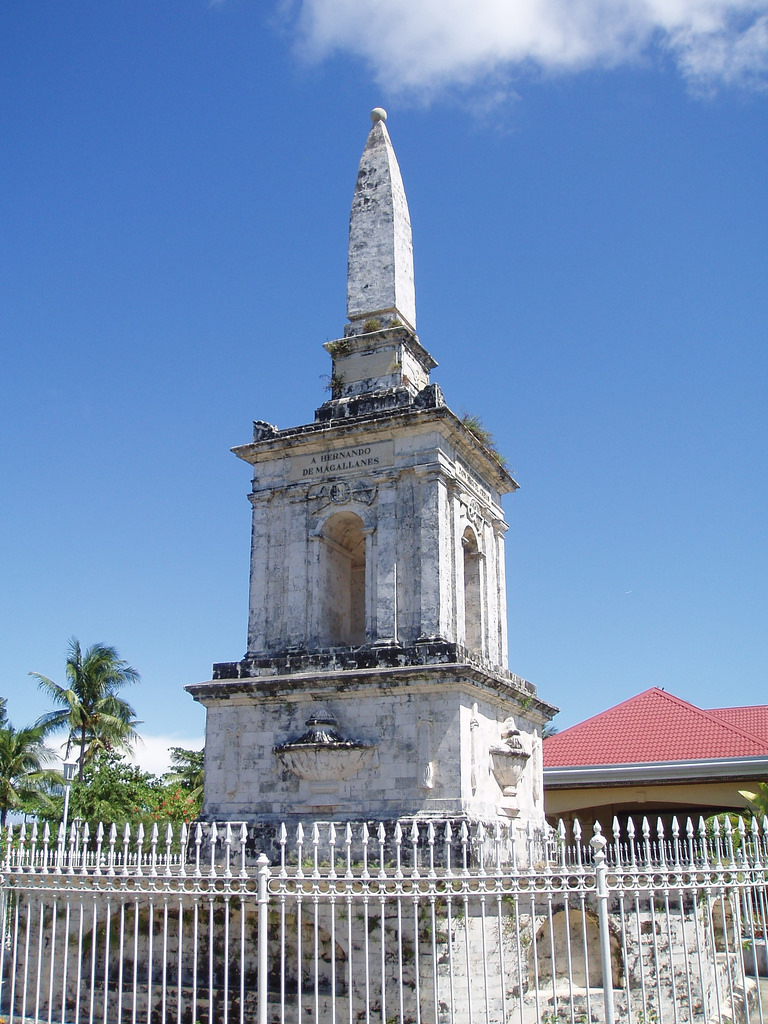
151 753
423 46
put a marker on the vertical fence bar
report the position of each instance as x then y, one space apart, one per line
94 949
681 903
52 956
598 844
67 916
263 936
135 979
107 933
5 917
382 875
15 955
39 971
79 961
620 868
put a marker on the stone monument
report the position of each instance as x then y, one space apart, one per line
375 685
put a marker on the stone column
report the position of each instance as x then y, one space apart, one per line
277 571
296 627
499 529
314 598
260 551
458 524
385 594
370 584
482 572
438 563
490 594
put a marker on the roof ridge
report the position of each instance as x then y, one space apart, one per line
603 730
729 725
738 707
739 728
614 707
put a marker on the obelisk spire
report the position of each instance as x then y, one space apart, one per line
380 264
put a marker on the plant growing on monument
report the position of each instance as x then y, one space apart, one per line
340 347
90 708
476 427
335 382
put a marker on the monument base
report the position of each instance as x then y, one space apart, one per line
372 734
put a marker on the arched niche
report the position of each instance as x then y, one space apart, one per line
342 580
473 613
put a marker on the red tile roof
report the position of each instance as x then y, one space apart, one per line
657 726
752 719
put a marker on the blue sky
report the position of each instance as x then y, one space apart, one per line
591 235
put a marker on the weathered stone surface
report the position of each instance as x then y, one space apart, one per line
378 590
425 651
373 363
380 263
429 731
412 487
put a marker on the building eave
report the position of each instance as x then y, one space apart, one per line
706 769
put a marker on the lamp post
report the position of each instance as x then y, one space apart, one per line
69 774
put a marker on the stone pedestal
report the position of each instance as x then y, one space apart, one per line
371 734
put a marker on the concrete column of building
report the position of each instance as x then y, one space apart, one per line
458 525
370 584
490 630
297 563
499 530
456 566
277 571
482 570
314 590
385 594
438 569
258 604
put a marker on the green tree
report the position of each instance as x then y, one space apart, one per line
90 708
114 791
183 784
24 777
187 770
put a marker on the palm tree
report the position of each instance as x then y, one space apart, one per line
91 711
23 775
187 771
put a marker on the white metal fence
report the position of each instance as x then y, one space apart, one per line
417 922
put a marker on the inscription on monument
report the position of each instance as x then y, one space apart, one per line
467 476
342 461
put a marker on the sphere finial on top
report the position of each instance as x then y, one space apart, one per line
378 114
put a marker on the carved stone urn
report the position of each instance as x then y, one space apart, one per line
321 753
508 759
